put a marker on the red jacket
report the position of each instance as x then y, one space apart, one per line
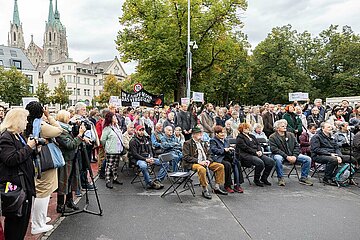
99 127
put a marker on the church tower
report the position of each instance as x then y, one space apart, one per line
16 35
55 43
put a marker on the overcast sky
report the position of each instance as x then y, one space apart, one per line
92 25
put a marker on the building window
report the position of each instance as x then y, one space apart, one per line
31 89
1 63
13 53
1 51
50 36
85 92
94 93
78 92
55 80
78 79
70 90
17 64
30 77
54 36
68 78
69 67
14 36
116 70
101 82
74 79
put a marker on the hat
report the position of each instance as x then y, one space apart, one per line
196 130
138 127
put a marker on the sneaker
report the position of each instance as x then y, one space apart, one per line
265 182
153 185
306 181
116 181
159 183
206 194
281 182
78 193
70 204
64 209
43 229
229 190
238 189
109 184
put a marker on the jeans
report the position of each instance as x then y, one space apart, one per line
238 175
177 156
143 165
303 159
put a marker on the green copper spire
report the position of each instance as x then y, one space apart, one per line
57 14
16 18
51 17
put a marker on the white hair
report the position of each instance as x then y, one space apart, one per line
279 122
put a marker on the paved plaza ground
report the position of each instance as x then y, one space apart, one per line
292 212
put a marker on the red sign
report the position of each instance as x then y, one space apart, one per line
138 87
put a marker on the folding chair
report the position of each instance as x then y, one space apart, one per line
247 171
232 142
138 177
317 170
291 170
177 179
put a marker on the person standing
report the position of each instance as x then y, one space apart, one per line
16 155
269 119
184 121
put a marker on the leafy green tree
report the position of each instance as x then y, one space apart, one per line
61 94
112 87
42 92
13 86
155 35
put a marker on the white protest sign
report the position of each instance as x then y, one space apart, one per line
115 100
298 96
185 101
26 100
198 96
135 104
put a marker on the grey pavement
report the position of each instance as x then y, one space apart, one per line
292 212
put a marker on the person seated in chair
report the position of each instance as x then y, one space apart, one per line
249 151
156 139
170 144
141 154
285 147
343 136
224 154
325 150
197 158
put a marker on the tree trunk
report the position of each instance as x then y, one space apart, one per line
180 89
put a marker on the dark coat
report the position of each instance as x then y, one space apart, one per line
356 145
294 123
14 157
190 153
246 147
284 147
268 122
217 148
304 143
323 145
140 148
184 120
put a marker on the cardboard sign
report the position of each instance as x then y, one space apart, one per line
198 96
135 104
185 101
298 96
26 100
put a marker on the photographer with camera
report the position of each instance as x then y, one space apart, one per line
77 120
48 182
16 155
68 174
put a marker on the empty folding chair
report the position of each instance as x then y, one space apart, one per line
177 179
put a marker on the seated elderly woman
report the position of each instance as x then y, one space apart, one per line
224 154
342 137
261 136
250 154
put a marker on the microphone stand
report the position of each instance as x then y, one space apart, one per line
351 178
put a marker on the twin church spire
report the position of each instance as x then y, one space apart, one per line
55 44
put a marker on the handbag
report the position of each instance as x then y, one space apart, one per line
12 198
123 152
50 157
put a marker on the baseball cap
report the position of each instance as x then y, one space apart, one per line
138 127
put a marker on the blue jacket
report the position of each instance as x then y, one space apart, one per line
217 148
169 144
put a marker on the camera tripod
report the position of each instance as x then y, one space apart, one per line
86 166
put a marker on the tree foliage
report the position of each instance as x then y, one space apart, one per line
42 92
112 87
155 35
61 94
14 85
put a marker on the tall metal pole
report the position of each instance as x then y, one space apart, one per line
188 56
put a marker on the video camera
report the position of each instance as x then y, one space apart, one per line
76 125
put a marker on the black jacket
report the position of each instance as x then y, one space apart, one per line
184 120
284 146
14 156
140 148
245 146
323 145
191 155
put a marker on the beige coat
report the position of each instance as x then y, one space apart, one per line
48 182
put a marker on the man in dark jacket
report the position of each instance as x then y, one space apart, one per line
285 147
141 154
325 150
197 158
269 119
184 121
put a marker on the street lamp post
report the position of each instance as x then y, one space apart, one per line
189 56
